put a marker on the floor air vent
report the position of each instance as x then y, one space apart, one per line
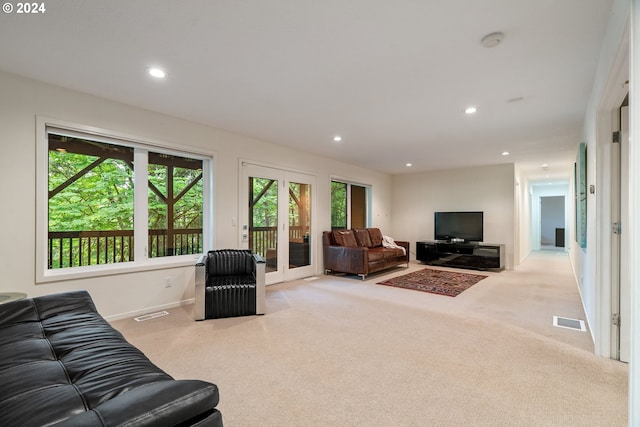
151 316
565 322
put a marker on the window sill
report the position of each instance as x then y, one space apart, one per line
57 275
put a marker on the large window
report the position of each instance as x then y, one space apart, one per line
90 202
338 205
175 205
349 206
115 202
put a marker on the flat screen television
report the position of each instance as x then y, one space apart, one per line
467 226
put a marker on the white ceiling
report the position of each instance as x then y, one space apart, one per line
391 77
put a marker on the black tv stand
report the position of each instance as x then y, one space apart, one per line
476 256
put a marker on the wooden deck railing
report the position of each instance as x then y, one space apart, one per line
263 238
81 248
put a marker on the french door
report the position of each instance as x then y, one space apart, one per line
277 220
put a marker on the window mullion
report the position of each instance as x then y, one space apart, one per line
348 191
141 201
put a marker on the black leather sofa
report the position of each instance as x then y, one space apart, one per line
62 364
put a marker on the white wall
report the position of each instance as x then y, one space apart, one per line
125 294
489 189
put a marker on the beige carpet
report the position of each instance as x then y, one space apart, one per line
338 351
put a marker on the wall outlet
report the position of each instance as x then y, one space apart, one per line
168 282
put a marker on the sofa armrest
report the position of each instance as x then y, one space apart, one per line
199 291
346 259
167 403
405 245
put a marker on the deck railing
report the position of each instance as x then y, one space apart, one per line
262 239
82 248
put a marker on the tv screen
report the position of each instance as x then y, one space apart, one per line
459 225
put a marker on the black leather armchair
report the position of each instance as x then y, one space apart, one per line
229 283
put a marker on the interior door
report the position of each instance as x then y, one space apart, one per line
625 285
278 220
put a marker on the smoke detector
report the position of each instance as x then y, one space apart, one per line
493 39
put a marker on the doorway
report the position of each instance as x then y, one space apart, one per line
552 221
549 215
278 220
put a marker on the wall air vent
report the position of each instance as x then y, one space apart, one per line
565 322
151 316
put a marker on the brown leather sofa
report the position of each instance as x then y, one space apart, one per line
360 251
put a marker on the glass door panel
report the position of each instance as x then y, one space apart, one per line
299 224
263 220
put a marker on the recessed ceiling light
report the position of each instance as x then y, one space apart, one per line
409 165
337 138
157 73
505 153
470 110
545 166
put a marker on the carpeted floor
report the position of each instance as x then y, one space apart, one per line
441 282
342 352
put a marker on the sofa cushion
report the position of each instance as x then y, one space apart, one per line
363 238
376 254
345 238
390 253
376 237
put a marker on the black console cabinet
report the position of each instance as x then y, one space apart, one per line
477 256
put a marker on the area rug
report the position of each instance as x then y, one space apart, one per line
435 281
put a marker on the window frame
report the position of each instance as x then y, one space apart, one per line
141 146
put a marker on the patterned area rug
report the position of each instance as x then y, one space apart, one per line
435 281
